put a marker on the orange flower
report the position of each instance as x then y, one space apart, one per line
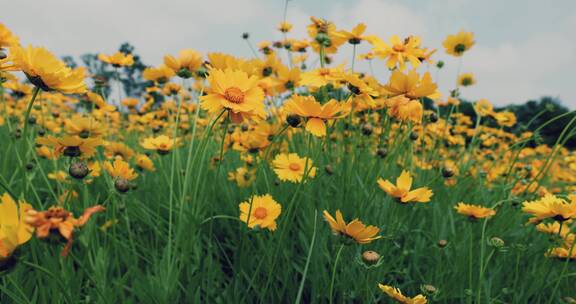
356 230
59 221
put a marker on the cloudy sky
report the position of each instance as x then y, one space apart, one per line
525 48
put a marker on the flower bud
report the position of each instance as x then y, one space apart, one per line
122 185
78 170
442 243
382 152
329 170
496 242
370 257
367 129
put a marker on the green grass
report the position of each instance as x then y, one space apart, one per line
176 238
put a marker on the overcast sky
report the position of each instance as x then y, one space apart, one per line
525 48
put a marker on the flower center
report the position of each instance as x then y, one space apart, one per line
399 48
294 167
260 213
234 95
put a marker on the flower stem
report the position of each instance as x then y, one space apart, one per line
27 115
334 273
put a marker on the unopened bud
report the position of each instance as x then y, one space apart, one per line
370 257
78 170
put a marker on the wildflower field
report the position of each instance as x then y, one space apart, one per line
287 177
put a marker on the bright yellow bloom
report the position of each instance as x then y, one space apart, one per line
397 295
162 144
550 206
324 33
236 92
322 76
99 102
411 85
505 118
405 109
290 167
316 113
474 211
243 176
46 71
117 59
144 162
456 45
355 230
399 51
72 146
260 211
483 107
161 74
85 127
7 39
466 79
356 35
13 230
401 190
120 169
284 27
187 62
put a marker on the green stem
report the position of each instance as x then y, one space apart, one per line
334 273
27 115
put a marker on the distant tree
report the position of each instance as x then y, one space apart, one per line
535 113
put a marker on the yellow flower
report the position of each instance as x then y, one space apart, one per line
405 109
243 176
397 295
118 149
356 35
287 79
399 51
117 59
402 192
505 119
550 206
99 102
72 146
474 211
290 167
84 127
13 230
46 71
284 27
316 113
456 45
7 39
187 62
59 176
466 79
261 211
483 107
324 34
235 91
144 162
322 76
162 144
356 230
159 74
411 85
120 170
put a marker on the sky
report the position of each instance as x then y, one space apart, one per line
525 49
